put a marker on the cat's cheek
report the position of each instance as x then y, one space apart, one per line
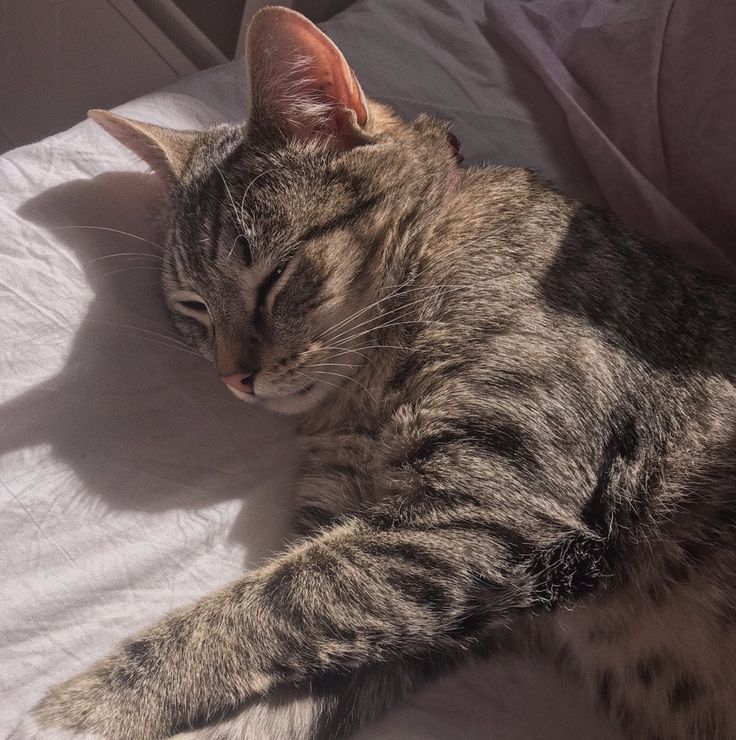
204 345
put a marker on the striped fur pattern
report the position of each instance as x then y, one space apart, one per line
514 413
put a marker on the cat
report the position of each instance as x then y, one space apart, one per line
517 422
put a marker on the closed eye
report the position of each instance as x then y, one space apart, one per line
193 305
268 283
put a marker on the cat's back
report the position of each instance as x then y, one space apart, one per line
518 255
615 364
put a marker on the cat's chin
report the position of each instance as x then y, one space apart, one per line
294 403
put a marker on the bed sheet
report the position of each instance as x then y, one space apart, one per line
131 482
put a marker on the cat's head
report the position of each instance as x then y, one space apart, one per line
283 233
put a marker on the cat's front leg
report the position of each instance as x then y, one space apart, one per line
384 587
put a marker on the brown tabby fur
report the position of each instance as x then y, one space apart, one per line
526 418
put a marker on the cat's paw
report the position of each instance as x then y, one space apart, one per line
99 704
30 729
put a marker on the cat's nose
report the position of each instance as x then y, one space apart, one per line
242 382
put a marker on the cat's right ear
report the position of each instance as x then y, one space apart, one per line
166 151
300 83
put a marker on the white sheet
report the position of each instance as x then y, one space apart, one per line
131 482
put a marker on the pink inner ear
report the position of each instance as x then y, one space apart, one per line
297 61
330 73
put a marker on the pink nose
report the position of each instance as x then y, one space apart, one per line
240 382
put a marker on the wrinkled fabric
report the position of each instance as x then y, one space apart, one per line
132 483
648 89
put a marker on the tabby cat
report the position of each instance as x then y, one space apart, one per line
513 412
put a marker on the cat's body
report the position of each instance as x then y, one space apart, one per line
617 394
536 431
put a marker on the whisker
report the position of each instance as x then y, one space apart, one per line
347 377
235 241
170 346
229 194
367 308
345 351
332 364
398 292
382 315
133 255
128 269
116 231
354 315
157 334
133 327
317 380
398 286
238 221
383 346
397 323
333 356
250 185
331 337
398 308
342 351
172 332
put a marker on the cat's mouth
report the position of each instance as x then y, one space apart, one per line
254 397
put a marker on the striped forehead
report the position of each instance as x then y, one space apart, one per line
257 208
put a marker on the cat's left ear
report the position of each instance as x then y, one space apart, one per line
300 82
168 152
